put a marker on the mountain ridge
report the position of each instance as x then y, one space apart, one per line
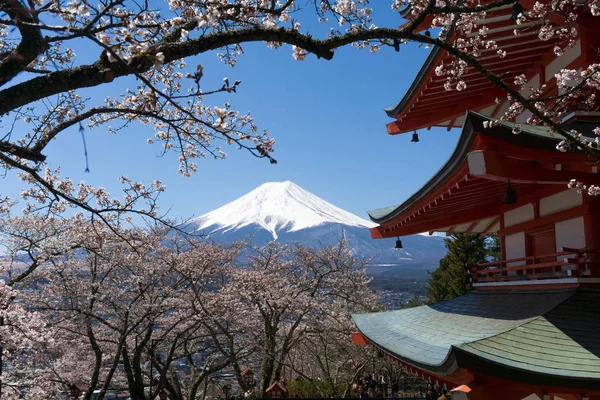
276 206
286 213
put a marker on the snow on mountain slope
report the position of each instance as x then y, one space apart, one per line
285 212
277 206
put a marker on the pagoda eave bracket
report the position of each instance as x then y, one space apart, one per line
491 165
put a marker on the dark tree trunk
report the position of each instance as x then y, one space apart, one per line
97 361
268 361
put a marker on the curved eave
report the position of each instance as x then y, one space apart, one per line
446 369
464 145
432 60
560 348
497 369
455 167
427 103
426 336
535 337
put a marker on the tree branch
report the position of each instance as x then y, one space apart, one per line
21 152
32 43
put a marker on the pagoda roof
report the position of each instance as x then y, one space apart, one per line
538 337
427 103
431 61
466 192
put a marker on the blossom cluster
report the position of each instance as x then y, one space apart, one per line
89 299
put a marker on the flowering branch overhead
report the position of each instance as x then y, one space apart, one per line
153 46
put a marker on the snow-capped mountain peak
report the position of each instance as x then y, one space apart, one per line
277 206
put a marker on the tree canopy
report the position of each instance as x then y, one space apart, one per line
451 278
158 311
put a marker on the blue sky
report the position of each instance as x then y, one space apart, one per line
327 118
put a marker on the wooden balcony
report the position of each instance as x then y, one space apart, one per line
568 263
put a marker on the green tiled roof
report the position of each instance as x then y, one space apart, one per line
381 212
548 333
564 341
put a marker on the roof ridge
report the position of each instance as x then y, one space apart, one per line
532 319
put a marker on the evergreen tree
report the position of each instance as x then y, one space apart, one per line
451 278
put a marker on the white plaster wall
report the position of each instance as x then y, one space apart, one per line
462 227
569 233
518 215
551 69
483 224
560 201
502 110
495 228
488 110
533 82
515 247
561 62
459 121
523 117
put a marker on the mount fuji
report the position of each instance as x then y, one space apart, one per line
286 213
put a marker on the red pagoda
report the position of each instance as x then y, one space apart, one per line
530 329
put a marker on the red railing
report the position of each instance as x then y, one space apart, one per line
564 264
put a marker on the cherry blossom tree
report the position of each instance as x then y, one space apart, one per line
130 311
27 243
122 296
129 308
276 300
23 342
42 79
96 305
186 335
326 357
